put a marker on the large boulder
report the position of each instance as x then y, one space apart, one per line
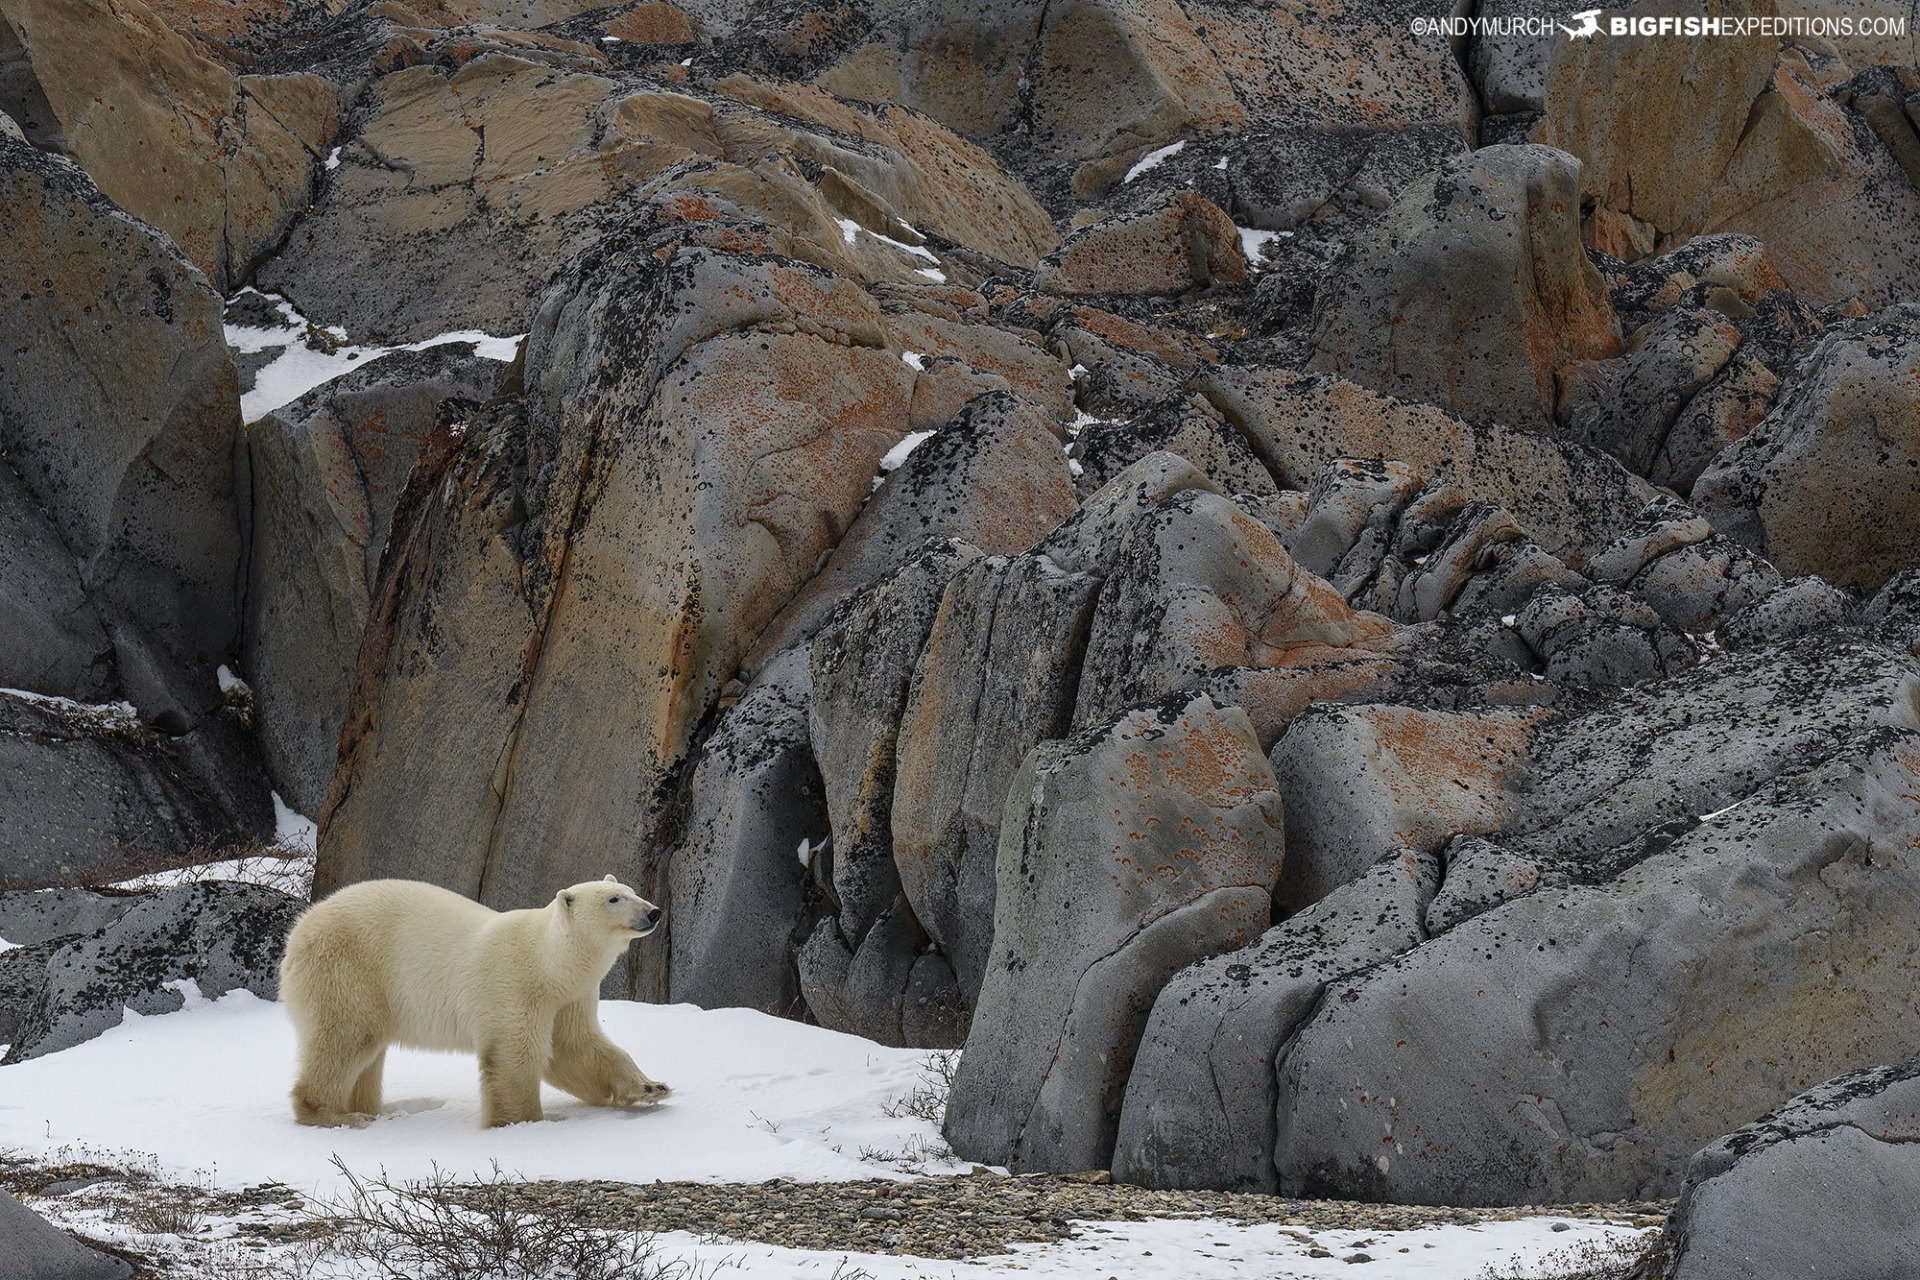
1180 241
999 674
699 428
486 174
1697 895
33 1248
221 167
1677 137
1360 781
737 898
1199 584
120 415
1473 291
1823 1186
1829 481
994 478
1199 1108
327 472
1162 832
218 935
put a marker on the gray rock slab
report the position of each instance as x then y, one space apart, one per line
1127 853
219 935
1825 1186
31 1248
1199 1109
737 884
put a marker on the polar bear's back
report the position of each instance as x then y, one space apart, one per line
396 950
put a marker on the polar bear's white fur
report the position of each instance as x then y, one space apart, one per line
401 962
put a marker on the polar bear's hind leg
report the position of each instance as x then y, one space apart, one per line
332 1072
366 1089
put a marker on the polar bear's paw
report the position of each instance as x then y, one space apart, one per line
641 1093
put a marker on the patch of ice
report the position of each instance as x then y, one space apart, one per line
1508 619
333 158
609 39
1153 158
849 228
932 274
914 361
686 62
1078 372
1718 813
806 851
229 682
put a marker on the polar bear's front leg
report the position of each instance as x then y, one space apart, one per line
510 1063
593 1068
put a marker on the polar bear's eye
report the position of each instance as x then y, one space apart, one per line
615 898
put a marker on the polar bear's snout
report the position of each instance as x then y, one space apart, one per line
646 917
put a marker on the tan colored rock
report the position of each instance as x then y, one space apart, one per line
167 134
1179 242
1839 215
1654 122
993 478
1345 62
1684 136
1198 585
701 429
1114 78
653 23
949 186
1473 291
487 177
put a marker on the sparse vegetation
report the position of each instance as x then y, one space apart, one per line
1619 1258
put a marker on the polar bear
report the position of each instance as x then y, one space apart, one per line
402 962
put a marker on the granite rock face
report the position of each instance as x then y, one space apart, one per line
1186 871
1472 292
1826 482
218 935
327 473
1821 1186
737 882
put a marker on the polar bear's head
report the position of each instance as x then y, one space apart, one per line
612 904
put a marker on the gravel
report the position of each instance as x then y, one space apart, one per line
982 1213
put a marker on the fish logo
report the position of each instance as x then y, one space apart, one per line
1589 20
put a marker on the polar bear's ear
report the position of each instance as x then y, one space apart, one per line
566 899
611 880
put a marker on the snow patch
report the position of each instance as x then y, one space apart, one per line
898 454
1254 242
914 361
311 354
293 831
229 682
333 158
1152 159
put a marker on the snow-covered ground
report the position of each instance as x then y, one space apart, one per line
204 1092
